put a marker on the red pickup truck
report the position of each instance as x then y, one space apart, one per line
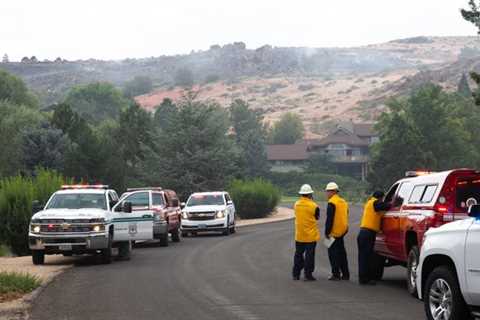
420 201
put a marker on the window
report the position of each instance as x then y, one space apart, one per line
429 193
391 193
403 193
140 199
417 193
157 199
227 197
78 201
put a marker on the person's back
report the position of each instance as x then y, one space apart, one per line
306 228
340 222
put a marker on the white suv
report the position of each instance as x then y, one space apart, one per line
448 275
208 211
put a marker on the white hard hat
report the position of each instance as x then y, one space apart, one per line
332 186
306 189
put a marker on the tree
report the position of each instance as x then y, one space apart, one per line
184 77
250 136
14 90
138 86
44 146
96 101
195 152
464 87
5 58
473 16
287 130
430 129
164 113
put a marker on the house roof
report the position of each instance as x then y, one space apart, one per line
287 152
364 129
339 136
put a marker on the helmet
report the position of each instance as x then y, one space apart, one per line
332 186
306 189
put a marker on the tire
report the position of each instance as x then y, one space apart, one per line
377 267
125 250
164 240
184 234
441 281
176 235
226 231
38 257
107 252
412 265
232 229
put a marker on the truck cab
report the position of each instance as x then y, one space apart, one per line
81 219
419 202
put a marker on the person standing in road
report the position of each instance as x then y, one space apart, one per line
306 234
336 227
371 222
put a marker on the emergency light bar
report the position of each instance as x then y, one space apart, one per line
144 188
84 186
411 174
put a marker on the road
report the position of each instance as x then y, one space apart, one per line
245 276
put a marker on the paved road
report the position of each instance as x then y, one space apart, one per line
245 276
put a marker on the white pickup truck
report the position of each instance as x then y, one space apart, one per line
83 219
448 274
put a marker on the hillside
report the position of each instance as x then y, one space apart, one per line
321 84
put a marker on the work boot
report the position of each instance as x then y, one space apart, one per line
309 277
296 278
334 278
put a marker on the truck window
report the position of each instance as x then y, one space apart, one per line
139 200
417 194
429 193
403 193
391 193
157 199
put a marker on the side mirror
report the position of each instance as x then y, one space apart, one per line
474 211
229 202
127 207
36 206
182 205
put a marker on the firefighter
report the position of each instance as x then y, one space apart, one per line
336 227
373 211
306 234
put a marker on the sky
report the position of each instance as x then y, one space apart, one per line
118 29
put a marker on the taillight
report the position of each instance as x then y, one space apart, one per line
443 214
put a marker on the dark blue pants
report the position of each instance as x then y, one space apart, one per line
304 258
338 258
366 244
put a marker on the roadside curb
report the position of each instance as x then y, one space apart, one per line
24 303
248 223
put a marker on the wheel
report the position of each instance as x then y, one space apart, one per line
442 297
226 231
412 265
38 257
232 229
107 252
176 235
125 250
377 267
193 233
184 234
164 240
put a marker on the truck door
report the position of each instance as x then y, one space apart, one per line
230 207
137 225
472 262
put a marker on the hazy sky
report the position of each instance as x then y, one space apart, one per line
116 29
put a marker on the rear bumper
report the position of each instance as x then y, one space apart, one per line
75 243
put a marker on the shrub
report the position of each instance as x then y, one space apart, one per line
13 285
16 197
254 198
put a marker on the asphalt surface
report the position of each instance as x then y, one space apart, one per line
244 276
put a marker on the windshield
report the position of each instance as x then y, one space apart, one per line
78 201
206 200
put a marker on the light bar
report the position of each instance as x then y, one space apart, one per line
84 186
417 173
144 188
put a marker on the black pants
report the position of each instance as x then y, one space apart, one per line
304 258
338 258
366 243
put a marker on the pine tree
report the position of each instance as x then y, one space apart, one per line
464 87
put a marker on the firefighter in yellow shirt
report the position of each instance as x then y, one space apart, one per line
306 234
336 227
369 226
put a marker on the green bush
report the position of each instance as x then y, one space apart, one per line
17 283
289 183
254 198
16 196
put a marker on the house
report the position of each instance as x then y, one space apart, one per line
347 147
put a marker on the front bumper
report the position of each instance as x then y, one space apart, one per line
159 228
205 225
61 243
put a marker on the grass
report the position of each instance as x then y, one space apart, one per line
4 252
13 285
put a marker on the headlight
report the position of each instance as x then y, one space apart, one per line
98 228
35 229
185 215
220 214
